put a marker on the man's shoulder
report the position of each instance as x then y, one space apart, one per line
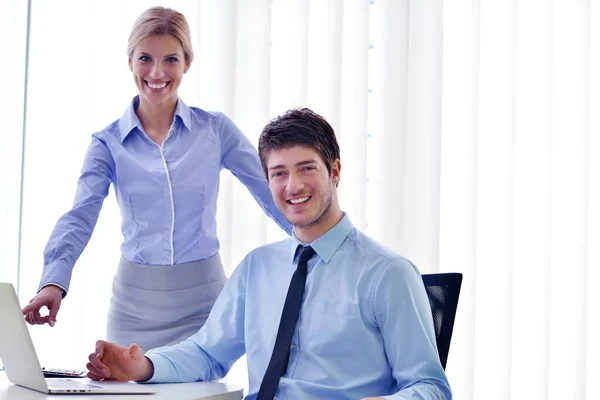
266 256
371 247
271 249
377 253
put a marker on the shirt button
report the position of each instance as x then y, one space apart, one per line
291 347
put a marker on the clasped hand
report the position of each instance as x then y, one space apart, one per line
110 361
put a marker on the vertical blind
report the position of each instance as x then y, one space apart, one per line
469 137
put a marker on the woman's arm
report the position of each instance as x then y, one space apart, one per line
241 158
73 230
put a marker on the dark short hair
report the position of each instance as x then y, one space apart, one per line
299 127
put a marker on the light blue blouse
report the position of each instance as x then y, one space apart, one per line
167 194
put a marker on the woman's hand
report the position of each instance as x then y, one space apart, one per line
110 361
51 297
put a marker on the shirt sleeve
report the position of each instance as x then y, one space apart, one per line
241 158
209 354
404 318
74 229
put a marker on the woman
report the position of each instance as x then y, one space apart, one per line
163 159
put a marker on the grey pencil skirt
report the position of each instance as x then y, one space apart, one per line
159 305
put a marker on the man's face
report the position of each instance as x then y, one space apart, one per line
302 187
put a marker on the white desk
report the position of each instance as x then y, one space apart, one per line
178 391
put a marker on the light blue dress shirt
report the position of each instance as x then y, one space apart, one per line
167 194
365 326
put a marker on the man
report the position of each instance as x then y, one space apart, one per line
358 322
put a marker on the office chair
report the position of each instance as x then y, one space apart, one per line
442 291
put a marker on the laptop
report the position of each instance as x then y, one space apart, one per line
22 365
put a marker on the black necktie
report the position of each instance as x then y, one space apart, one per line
287 325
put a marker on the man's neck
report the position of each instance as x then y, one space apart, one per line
314 231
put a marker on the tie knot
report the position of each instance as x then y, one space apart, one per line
305 253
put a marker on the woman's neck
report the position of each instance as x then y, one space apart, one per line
156 119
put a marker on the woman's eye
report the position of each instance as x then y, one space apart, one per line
172 59
144 58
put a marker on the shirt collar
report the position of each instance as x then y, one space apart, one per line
130 120
328 243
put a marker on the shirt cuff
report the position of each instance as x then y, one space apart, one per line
56 273
63 292
161 368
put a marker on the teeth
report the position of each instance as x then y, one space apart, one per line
157 85
299 200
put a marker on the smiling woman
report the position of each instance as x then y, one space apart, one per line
167 157
158 64
160 52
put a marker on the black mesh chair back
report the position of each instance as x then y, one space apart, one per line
442 291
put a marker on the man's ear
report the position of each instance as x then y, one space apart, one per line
336 168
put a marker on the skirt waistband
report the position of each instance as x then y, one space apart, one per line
170 277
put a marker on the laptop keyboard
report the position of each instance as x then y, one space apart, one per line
69 384
63 373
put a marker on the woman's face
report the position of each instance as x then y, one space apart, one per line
158 64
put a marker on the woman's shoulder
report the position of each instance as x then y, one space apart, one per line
201 114
112 130
120 127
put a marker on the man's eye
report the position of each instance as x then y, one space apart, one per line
276 174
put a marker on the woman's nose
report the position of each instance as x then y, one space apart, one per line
157 71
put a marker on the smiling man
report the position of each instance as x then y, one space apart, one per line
328 313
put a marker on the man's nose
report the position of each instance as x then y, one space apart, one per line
294 184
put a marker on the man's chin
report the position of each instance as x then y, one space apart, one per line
301 222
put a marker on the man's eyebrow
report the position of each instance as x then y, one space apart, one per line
305 162
298 164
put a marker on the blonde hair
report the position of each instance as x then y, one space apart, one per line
158 21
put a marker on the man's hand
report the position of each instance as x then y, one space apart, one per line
110 361
51 297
